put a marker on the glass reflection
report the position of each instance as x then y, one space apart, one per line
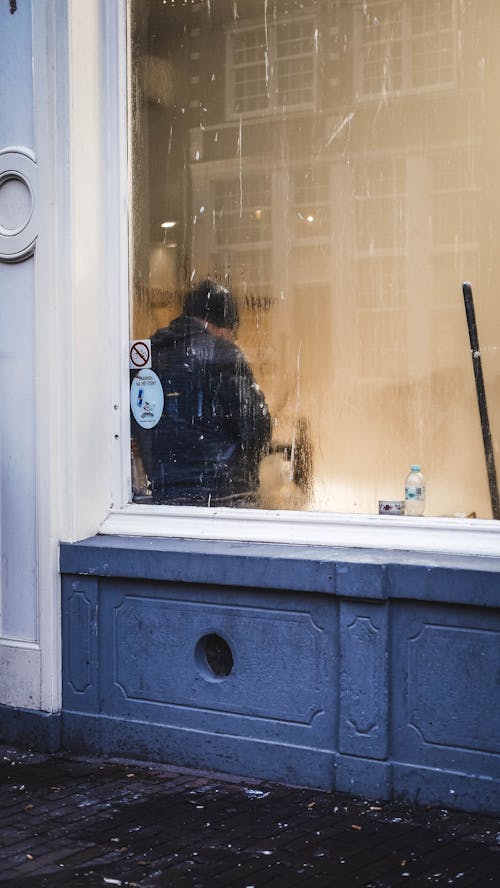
334 165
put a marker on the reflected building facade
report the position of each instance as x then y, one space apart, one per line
333 163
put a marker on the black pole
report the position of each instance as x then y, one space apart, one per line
481 399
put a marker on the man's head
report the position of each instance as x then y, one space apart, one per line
210 302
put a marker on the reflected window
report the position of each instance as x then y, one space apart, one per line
243 216
272 64
406 46
313 181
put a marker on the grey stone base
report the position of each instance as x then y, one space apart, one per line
369 672
28 729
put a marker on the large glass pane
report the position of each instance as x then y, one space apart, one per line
326 173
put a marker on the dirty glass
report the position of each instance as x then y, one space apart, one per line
333 167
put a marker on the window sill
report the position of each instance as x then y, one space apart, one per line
454 536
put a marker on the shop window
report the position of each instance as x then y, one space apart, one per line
330 168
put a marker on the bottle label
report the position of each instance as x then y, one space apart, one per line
414 493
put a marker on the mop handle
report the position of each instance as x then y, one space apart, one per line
481 399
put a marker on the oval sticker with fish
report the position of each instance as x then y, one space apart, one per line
146 399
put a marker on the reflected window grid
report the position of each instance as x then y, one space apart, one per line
273 67
406 45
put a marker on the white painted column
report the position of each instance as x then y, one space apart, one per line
63 243
19 624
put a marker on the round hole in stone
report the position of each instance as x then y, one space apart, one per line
214 656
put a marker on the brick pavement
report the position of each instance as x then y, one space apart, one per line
66 820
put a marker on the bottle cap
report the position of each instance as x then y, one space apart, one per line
415 468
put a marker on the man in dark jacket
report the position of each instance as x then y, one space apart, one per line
215 428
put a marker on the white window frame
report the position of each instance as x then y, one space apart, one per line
384 534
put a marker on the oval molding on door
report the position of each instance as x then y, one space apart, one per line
18 231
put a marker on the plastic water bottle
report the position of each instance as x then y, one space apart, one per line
414 492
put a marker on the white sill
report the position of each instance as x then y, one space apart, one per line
435 535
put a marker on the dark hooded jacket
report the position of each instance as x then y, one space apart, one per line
215 426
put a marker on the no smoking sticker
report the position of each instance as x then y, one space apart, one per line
139 354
